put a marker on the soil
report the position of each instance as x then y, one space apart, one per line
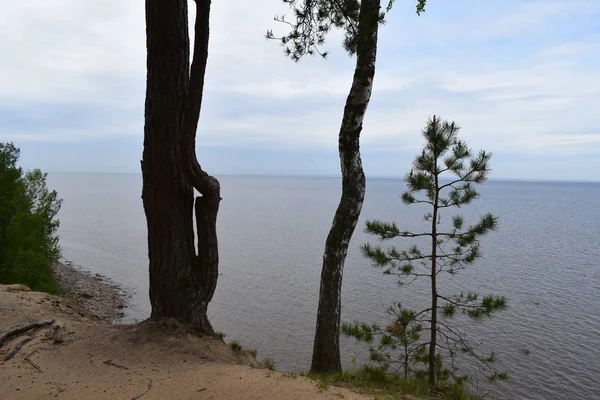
81 356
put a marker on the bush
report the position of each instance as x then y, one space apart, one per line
28 240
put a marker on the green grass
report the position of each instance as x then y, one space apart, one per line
269 363
237 347
376 382
252 352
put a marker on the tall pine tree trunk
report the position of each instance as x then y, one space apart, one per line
326 350
182 281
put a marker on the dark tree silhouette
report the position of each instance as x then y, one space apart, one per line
182 281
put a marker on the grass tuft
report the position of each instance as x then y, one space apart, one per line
269 363
252 352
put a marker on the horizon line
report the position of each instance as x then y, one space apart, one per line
330 176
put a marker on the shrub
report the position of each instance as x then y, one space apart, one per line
28 225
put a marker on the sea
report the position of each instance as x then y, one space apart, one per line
544 257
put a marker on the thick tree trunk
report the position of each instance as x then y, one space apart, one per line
182 282
326 350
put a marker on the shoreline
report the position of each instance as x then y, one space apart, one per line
95 294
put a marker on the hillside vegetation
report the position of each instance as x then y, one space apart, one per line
28 240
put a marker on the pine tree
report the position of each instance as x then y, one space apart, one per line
443 176
183 261
360 21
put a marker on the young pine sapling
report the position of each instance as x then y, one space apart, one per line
441 177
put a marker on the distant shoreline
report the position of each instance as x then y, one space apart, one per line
97 296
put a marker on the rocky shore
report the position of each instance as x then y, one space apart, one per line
96 295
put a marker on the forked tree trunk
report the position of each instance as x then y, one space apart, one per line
182 281
326 350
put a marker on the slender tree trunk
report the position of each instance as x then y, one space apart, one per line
326 350
405 360
434 295
182 282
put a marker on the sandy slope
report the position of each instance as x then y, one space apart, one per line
82 357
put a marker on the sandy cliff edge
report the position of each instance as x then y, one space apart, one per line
83 357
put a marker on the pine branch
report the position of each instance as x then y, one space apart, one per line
408 198
314 19
454 182
460 303
386 230
382 258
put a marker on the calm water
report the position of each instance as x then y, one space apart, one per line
545 258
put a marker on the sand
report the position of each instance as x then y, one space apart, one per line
81 356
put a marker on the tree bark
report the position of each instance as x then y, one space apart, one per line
326 350
434 294
182 282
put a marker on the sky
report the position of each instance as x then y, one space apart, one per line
522 79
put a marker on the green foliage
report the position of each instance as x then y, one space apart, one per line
220 336
443 175
269 363
377 381
235 346
252 352
402 336
314 19
28 225
420 6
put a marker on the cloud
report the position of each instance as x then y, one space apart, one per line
65 50
521 77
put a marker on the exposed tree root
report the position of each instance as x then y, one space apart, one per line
23 329
109 362
17 347
139 396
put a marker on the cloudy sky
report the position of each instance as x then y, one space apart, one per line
521 77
